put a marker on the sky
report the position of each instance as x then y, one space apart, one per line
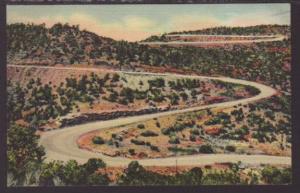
137 22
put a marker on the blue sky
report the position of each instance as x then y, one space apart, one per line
136 22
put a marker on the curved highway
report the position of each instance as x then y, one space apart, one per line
195 43
61 144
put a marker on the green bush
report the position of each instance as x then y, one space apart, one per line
273 175
98 140
117 144
93 164
115 77
195 132
159 82
131 151
167 131
158 124
141 126
149 133
137 142
97 179
230 148
154 148
110 142
174 140
192 137
119 138
206 149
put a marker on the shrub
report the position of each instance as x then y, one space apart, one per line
158 124
128 94
110 142
192 137
113 97
119 138
221 117
154 148
97 179
115 77
131 151
167 131
149 133
98 140
194 176
252 90
184 96
206 149
117 144
187 151
137 142
159 82
273 175
93 164
123 101
141 126
174 99
195 132
179 127
230 148
174 140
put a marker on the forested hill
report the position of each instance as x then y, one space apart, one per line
250 30
60 44
64 44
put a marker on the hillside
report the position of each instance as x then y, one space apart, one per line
159 115
268 62
251 30
247 31
60 44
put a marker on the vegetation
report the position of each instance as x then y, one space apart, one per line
149 133
98 140
206 149
22 148
72 174
184 151
137 175
26 166
251 30
230 148
35 103
137 142
273 175
141 126
26 41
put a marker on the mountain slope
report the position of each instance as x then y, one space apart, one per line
268 62
60 44
250 30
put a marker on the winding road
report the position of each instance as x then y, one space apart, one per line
195 43
61 144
